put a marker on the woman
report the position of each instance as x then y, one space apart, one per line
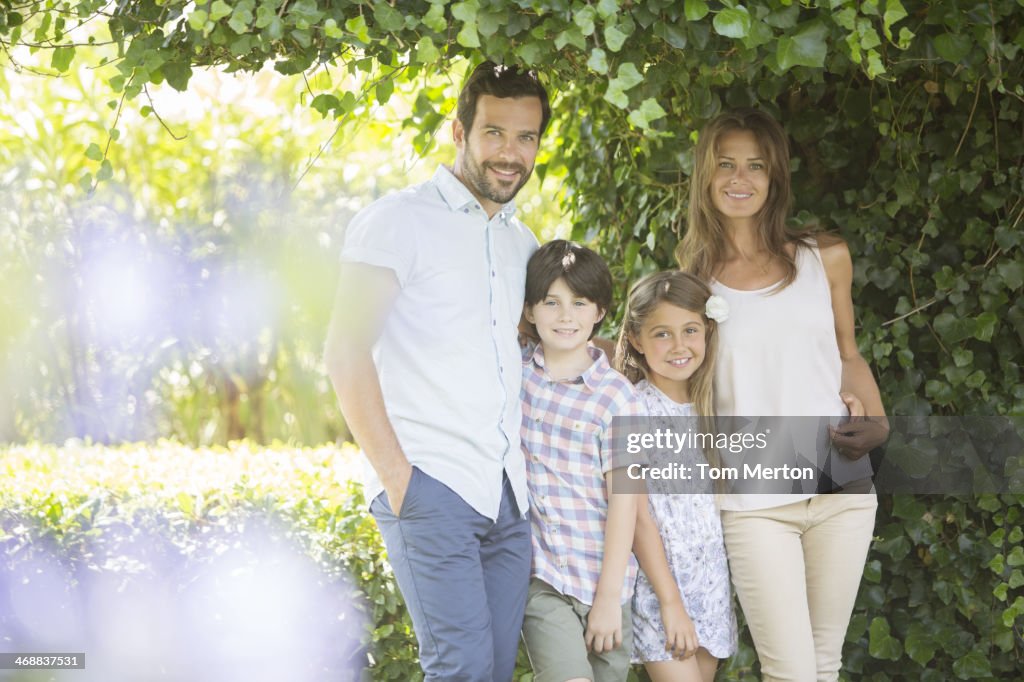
788 350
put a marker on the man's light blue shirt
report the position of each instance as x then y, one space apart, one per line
448 358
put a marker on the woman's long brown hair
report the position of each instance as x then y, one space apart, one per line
704 246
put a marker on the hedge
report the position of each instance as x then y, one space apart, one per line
216 554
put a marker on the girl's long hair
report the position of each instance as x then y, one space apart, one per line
704 246
682 290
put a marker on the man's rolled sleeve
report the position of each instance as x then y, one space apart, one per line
378 237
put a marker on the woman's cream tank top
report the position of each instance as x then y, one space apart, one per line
778 357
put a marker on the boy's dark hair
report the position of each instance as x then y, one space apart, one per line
584 271
499 80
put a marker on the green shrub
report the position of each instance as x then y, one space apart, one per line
165 526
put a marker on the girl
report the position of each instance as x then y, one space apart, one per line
667 348
789 349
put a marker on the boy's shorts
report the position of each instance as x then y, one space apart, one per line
553 631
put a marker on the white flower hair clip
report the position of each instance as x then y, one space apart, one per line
717 309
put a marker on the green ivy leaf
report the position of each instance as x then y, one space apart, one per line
388 18
434 18
626 78
240 21
607 8
962 357
920 645
426 51
466 11
324 103
671 34
954 329
488 23
881 644
598 61
985 326
219 9
177 74
357 26
807 47
1001 591
530 53
94 153
62 57
275 29
894 12
571 36
632 257
760 34
332 30
264 15
939 391
384 90
786 17
695 9
1012 274
347 103
584 19
106 171
733 22
972 666
614 37
467 36
197 20
649 111
85 182
1011 614
953 47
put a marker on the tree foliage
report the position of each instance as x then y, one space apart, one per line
905 116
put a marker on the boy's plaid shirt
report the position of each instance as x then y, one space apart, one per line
563 439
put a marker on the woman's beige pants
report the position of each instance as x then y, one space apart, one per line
796 569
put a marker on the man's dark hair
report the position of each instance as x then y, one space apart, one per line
585 273
499 80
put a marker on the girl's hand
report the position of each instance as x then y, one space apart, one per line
860 435
604 625
680 633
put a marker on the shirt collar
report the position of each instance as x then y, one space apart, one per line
458 196
591 376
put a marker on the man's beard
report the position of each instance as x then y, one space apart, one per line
475 176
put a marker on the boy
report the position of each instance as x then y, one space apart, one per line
577 624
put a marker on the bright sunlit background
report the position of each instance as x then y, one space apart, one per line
188 295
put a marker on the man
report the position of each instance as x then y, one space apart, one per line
422 351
